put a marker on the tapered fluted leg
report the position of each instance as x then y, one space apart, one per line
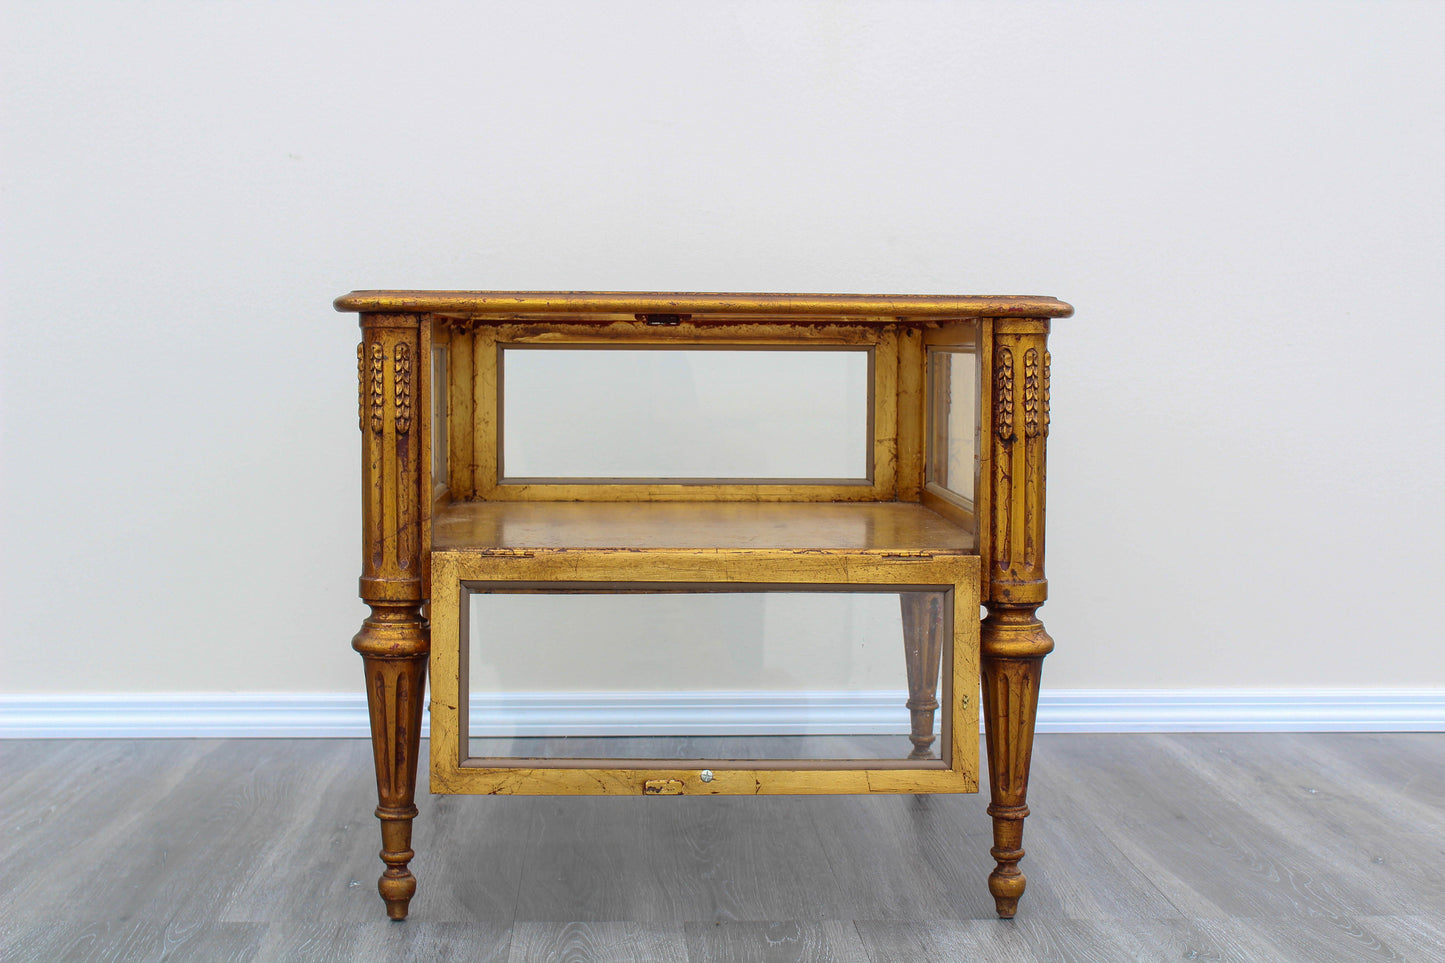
395 692
922 647
1014 644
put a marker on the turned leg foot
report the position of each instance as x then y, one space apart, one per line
397 885
923 618
1006 883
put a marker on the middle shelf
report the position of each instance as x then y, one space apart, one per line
868 527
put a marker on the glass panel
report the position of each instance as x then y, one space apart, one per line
440 387
953 421
685 414
695 673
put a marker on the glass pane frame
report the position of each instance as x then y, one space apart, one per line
455 573
880 342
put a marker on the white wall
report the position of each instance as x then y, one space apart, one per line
1243 200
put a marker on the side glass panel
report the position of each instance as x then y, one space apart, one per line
694 672
953 421
687 415
440 386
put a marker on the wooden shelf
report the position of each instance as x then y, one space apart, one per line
882 527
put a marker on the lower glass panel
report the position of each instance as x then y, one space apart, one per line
787 673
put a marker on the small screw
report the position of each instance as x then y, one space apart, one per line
706 775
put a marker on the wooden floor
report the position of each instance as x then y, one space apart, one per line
1141 847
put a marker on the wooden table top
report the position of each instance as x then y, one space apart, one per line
803 308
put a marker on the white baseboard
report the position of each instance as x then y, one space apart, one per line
1242 710
312 715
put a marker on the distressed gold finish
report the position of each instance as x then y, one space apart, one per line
662 787
912 412
896 530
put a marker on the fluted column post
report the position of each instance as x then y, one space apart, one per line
394 640
1013 640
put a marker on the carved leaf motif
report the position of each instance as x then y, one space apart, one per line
1046 394
1032 393
403 389
361 386
1003 404
378 396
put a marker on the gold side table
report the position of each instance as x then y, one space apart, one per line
946 510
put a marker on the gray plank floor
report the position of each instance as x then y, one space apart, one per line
1295 847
